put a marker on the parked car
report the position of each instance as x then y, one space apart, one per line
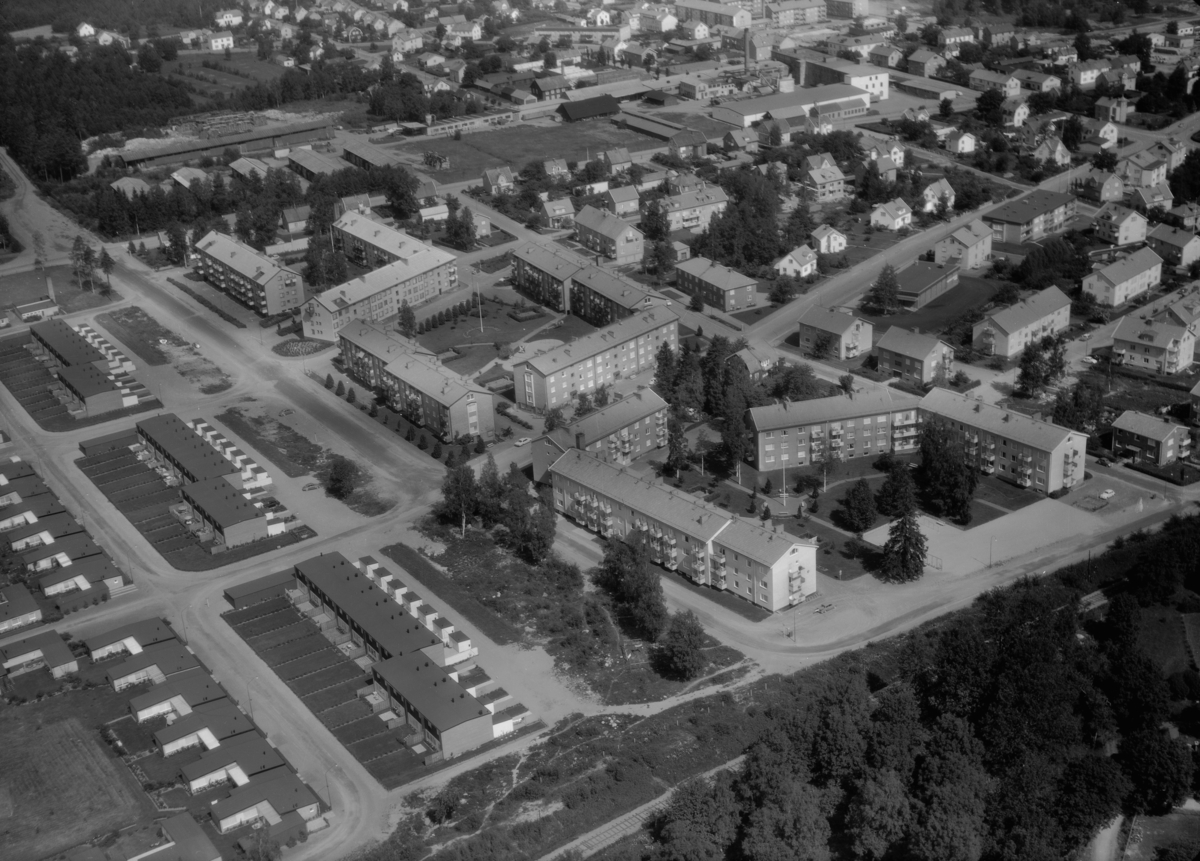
1089 360
313 486
1108 494
1104 462
523 441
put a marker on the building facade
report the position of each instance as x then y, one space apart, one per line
248 275
1150 439
719 286
847 336
914 358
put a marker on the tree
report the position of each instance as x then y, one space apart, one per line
351 396
990 107
701 821
656 225
460 496
788 827
1160 769
625 573
905 550
946 108
822 346
948 480
846 381
329 381
860 507
664 372
689 383
583 405
697 303
661 257
341 389
1072 133
407 323
553 420
899 493
343 477
880 815
884 295
682 646
677 450
107 264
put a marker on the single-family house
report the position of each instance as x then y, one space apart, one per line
1146 198
970 247
498 180
828 240
960 143
935 194
622 201
798 263
892 215
1053 151
558 214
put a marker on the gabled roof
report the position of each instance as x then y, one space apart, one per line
573 352
16 601
1042 435
603 222
1130 267
624 194
609 419
720 277
1030 311
894 209
909 343
1158 428
53 649
830 320
938 189
924 55
241 258
1025 209
221 502
788 414
824 230
1173 236
971 234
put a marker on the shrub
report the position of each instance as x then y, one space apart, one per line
437 450
423 444
411 435
329 381
341 389
480 446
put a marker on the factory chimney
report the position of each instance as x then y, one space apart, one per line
746 50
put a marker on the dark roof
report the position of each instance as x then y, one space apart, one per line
26 487
1024 209
283 791
191 843
170 657
145 633
279 578
14 469
439 699
251 753
920 276
40 506
15 601
220 717
86 380
95 568
600 106
55 651
195 686
221 502
194 454
383 620
77 546
70 346
58 525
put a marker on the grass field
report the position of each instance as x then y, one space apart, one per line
289 451
27 287
970 293
221 81
1161 635
65 787
518 145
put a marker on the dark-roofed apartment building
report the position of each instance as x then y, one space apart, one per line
719 286
176 447
913 357
248 275
557 277
624 348
1150 439
847 336
618 433
1033 216
608 235
227 514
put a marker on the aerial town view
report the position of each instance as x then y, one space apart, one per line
814 478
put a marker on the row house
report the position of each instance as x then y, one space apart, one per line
710 547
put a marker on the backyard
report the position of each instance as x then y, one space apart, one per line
520 144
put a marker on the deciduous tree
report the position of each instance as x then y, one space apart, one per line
682 646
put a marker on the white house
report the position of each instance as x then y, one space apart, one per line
85 31
799 263
935 193
960 143
828 240
893 215
228 18
220 41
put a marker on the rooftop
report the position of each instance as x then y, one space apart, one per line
920 276
15 601
383 620
221 502
1151 427
796 102
574 352
370 153
1025 209
170 657
95 569
284 791
610 285
251 753
1135 264
1041 435
603 222
1172 235
1030 311
53 648
220 717
908 343
70 347
607 420
439 699
194 686
789 414
193 454
716 275
415 260
145 633
86 380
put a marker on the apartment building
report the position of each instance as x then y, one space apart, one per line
869 77
1158 341
1175 246
418 273
606 234
693 210
713 14
969 247
984 80
913 357
622 349
1155 440
566 282
719 286
602 296
543 271
709 546
416 383
1124 279
176 449
619 433
1037 214
1119 225
248 275
1010 330
866 424
848 336
1016 448
793 13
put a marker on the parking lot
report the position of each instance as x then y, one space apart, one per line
327 680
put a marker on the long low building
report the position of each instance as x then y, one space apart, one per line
709 546
566 282
178 695
1038 455
417 384
208 725
128 639
272 797
1037 214
227 516
47 649
551 379
236 762
18 608
832 101
153 665
176 449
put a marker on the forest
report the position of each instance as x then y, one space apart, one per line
138 18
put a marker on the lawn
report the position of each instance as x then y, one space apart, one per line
832 560
59 786
1162 637
141 333
970 293
520 144
1180 829
242 69
288 450
25 287
497 326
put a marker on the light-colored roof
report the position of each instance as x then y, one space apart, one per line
797 102
612 286
624 194
894 209
908 343
720 277
990 77
788 414
562 206
828 320
603 222
416 259
939 189
1151 427
1025 209
610 419
317 162
971 234
1145 330
924 55
1040 435
1030 311
246 166
243 259
1118 214
1175 236
709 195
824 175
551 258
573 352
1130 267
823 230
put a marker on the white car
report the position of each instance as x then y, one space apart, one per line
1089 360
1108 494
523 441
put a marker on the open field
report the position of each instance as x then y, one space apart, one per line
155 344
286 449
1163 832
970 293
25 287
65 787
226 80
517 145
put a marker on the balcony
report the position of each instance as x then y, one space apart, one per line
835 433
904 432
987 468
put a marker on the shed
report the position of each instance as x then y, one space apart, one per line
600 106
